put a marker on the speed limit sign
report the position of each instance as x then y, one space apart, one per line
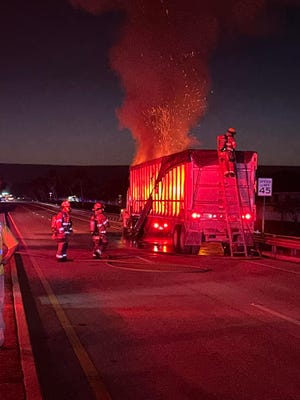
264 187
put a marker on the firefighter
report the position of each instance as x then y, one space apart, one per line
98 225
227 146
125 219
8 245
63 229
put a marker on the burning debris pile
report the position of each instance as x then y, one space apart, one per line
162 60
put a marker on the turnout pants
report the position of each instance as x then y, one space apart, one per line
100 243
62 247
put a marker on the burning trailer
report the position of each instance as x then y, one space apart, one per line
192 198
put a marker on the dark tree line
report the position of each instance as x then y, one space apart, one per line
87 183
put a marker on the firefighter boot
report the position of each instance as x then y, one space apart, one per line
97 254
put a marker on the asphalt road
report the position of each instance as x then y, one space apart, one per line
152 325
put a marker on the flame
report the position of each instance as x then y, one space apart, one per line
163 57
163 68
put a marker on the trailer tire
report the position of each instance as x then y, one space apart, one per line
125 233
176 238
183 248
226 248
195 250
179 236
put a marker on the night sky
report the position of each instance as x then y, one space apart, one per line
72 93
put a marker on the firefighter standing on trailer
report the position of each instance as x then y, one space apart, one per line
63 229
98 225
227 146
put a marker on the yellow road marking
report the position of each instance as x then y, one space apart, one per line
86 363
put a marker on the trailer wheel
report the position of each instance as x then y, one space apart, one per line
226 248
125 233
176 238
179 236
183 248
195 250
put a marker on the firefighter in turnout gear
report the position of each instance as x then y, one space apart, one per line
227 146
98 225
62 231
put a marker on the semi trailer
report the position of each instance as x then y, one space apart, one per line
190 198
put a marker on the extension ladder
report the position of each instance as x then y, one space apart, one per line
238 232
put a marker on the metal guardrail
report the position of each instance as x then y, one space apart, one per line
277 246
114 217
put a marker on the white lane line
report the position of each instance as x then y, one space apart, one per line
276 314
31 381
280 269
144 259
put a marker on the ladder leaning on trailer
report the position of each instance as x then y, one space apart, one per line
237 228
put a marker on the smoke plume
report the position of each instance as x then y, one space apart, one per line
163 57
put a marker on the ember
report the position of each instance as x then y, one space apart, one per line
163 57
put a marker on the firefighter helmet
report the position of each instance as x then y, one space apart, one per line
98 206
65 204
231 131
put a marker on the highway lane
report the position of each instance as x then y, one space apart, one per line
150 325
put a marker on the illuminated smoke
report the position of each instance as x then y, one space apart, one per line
163 57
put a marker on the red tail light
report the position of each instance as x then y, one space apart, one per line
196 215
160 226
247 216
